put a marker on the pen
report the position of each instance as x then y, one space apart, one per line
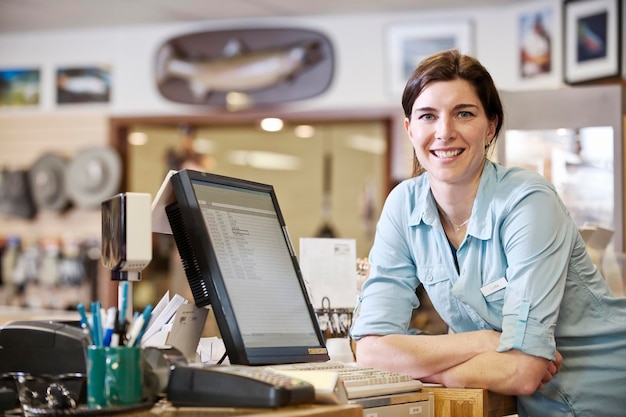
122 295
87 333
97 324
84 321
115 337
109 325
138 326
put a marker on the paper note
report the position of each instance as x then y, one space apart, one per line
212 350
187 329
329 270
163 315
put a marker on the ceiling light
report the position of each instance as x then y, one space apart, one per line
237 101
271 124
304 131
563 132
137 138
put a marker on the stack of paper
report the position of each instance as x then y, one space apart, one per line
163 314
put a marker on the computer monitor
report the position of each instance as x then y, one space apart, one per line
238 257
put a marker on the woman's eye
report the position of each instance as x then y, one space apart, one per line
465 114
427 117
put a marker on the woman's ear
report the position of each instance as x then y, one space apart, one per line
491 132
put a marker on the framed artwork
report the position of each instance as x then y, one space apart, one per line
592 40
410 43
19 87
535 43
90 84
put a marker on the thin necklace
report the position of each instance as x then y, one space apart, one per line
456 226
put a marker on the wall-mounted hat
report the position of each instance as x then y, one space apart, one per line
93 175
15 194
47 182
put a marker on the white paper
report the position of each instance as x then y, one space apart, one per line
158 339
211 350
165 316
329 270
156 311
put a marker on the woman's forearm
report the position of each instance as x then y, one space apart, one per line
421 355
512 373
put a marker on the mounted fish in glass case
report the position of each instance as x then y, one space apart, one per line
245 67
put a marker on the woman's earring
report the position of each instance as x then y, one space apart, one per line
487 146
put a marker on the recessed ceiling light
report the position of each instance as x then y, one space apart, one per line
304 131
272 124
137 138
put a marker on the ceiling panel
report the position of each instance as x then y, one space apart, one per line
38 15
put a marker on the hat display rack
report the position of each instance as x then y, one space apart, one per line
55 183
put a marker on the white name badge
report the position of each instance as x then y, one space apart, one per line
494 286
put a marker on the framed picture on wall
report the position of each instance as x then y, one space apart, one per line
592 41
83 84
19 87
535 43
409 43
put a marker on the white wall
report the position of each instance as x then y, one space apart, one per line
361 74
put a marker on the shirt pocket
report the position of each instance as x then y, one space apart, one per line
436 281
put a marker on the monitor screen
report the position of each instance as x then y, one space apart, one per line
238 257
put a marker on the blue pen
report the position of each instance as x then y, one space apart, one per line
83 315
97 323
109 325
122 302
84 321
139 326
147 315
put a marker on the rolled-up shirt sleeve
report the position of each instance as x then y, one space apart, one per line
388 295
538 245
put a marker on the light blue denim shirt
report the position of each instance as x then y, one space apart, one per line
550 295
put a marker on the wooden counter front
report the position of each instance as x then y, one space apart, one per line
471 402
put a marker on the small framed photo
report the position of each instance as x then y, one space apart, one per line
20 87
592 40
535 43
83 84
409 43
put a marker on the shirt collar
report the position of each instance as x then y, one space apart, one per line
425 208
480 226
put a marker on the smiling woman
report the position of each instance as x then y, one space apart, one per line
508 282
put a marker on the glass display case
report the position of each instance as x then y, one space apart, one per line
574 137
579 162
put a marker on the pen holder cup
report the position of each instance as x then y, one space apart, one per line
114 376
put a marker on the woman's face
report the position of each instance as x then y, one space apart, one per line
449 131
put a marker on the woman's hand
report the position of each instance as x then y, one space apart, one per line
553 368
